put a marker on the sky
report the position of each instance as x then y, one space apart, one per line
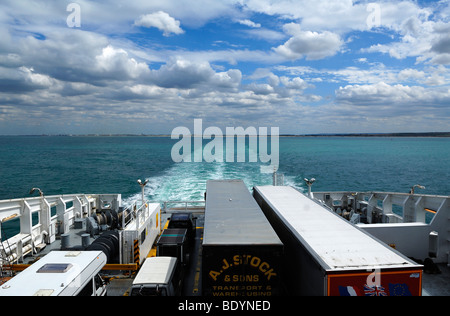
147 67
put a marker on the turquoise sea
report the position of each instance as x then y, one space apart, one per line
66 165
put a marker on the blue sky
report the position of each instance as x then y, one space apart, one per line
321 66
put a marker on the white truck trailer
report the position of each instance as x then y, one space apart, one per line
327 255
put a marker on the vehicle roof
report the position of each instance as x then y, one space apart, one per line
155 270
172 236
232 216
51 274
180 217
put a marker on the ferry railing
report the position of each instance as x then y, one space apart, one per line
415 224
137 211
36 221
169 207
388 207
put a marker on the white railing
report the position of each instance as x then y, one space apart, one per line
136 211
183 206
390 207
410 222
39 220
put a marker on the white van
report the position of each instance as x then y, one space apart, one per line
60 273
158 276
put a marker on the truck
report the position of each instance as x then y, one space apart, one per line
185 220
60 273
173 243
326 255
241 253
158 276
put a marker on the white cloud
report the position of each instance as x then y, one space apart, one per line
249 23
118 64
162 21
40 80
319 15
441 44
265 34
412 99
423 33
50 73
150 91
296 83
280 88
385 107
420 37
22 80
376 73
339 16
182 73
312 45
261 89
407 74
228 79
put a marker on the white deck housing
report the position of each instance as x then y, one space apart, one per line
145 228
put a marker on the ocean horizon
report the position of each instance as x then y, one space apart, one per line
399 134
111 165
65 165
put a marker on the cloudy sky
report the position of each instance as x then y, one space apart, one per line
140 66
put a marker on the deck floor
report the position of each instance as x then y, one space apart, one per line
437 284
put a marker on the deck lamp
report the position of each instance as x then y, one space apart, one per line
309 183
37 189
416 186
142 184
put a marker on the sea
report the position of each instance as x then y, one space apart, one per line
112 164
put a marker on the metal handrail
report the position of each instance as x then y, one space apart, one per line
186 207
132 212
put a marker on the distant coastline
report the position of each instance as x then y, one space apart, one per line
426 134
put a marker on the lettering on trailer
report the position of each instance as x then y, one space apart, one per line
243 275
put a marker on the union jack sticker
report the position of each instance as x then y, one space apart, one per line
374 290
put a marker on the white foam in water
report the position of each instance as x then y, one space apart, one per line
187 181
